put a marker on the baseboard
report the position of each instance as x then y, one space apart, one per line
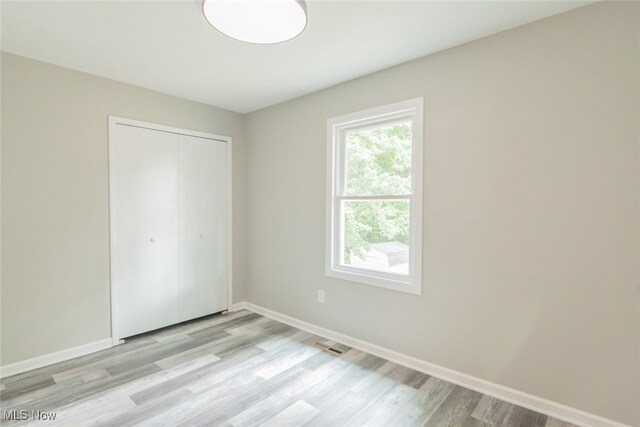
535 403
51 358
238 306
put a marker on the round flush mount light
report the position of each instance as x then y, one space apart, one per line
257 21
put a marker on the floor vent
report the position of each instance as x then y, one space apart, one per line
327 348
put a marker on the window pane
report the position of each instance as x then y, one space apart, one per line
376 235
378 160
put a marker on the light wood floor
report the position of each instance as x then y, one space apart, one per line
242 369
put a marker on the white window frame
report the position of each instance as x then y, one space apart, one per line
336 128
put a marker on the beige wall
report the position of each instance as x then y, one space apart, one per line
55 217
531 211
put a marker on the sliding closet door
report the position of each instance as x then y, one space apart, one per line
203 226
144 229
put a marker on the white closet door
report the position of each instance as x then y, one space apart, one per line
144 229
203 226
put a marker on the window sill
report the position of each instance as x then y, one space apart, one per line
409 286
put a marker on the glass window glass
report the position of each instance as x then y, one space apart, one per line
376 235
378 160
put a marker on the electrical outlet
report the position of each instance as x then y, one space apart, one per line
321 296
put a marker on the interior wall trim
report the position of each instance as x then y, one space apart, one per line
516 397
52 358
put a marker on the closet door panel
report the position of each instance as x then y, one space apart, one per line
203 226
145 228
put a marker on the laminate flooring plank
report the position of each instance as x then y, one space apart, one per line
426 401
334 397
234 342
222 399
163 351
247 367
91 412
277 328
116 358
239 343
318 360
186 356
149 409
192 377
411 378
335 378
149 382
384 386
188 327
287 361
222 408
492 411
395 373
83 378
202 401
69 395
383 407
279 341
254 325
105 398
210 334
521 417
122 385
172 333
52 388
212 330
21 399
255 414
295 415
104 388
456 410
21 387
281 397
74 394
474 422
182 330
390 373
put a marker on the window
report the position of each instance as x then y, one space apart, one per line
374 196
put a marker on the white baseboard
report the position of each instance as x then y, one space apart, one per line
238 306
526 400
51 358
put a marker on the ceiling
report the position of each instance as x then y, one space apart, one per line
168 46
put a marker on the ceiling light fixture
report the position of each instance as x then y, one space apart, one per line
257 21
